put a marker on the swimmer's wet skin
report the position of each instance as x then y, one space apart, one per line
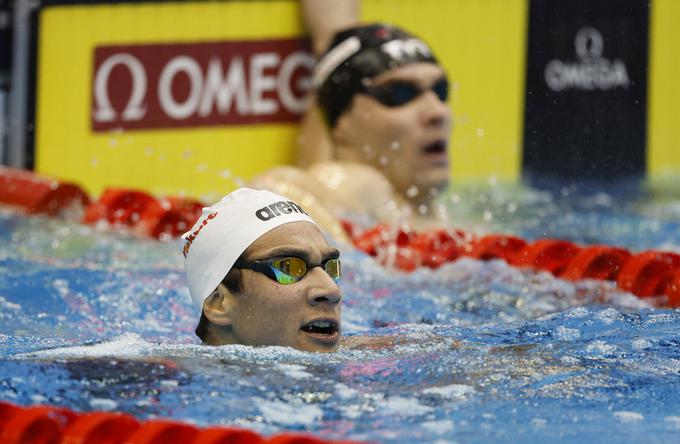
263 280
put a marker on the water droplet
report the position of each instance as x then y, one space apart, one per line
94 163
187 154
395 146
422 209
384 160
480 132
488 216
492 180
165 237
412 191
225 174
148 151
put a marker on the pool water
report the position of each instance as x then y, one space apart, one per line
93 319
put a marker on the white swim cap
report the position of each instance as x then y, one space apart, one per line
226 229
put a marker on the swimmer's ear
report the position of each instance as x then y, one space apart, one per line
219 307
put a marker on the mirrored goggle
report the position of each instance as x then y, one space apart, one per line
288 270
399 93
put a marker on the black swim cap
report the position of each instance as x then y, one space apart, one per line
362 53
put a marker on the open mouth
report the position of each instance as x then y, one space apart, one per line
326 330
438 147
322 327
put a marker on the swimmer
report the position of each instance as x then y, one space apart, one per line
262 273
383 95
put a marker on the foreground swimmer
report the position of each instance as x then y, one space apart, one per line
262 273
383 95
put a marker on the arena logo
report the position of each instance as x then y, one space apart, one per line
399 49
278 209
170 85
591 71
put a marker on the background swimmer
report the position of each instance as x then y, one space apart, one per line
383 96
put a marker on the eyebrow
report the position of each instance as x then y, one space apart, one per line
297 252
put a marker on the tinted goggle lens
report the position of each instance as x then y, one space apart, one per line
289 270
400 93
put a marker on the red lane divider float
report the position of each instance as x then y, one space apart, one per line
100 427
55 425
498 246
153 217
649 273
596 262
548 254
38 194
673 290
646 274
36 425
227 436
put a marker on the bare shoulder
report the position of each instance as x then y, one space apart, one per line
360 188
306 190
331 190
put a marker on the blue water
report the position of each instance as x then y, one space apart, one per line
472 352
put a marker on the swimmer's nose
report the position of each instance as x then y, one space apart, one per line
324 290
435 113
326 298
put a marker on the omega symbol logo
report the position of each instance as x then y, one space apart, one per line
134 110
591 71
588 43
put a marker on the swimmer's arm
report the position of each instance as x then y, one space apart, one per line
313 143
379 342
367 342
326 17
323 19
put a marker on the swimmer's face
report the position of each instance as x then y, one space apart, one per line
408 143
269 313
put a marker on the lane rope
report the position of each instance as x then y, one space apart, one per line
645 274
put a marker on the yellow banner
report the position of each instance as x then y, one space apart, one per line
200 161
663 123
481 44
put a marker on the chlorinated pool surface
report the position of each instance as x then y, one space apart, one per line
472 352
